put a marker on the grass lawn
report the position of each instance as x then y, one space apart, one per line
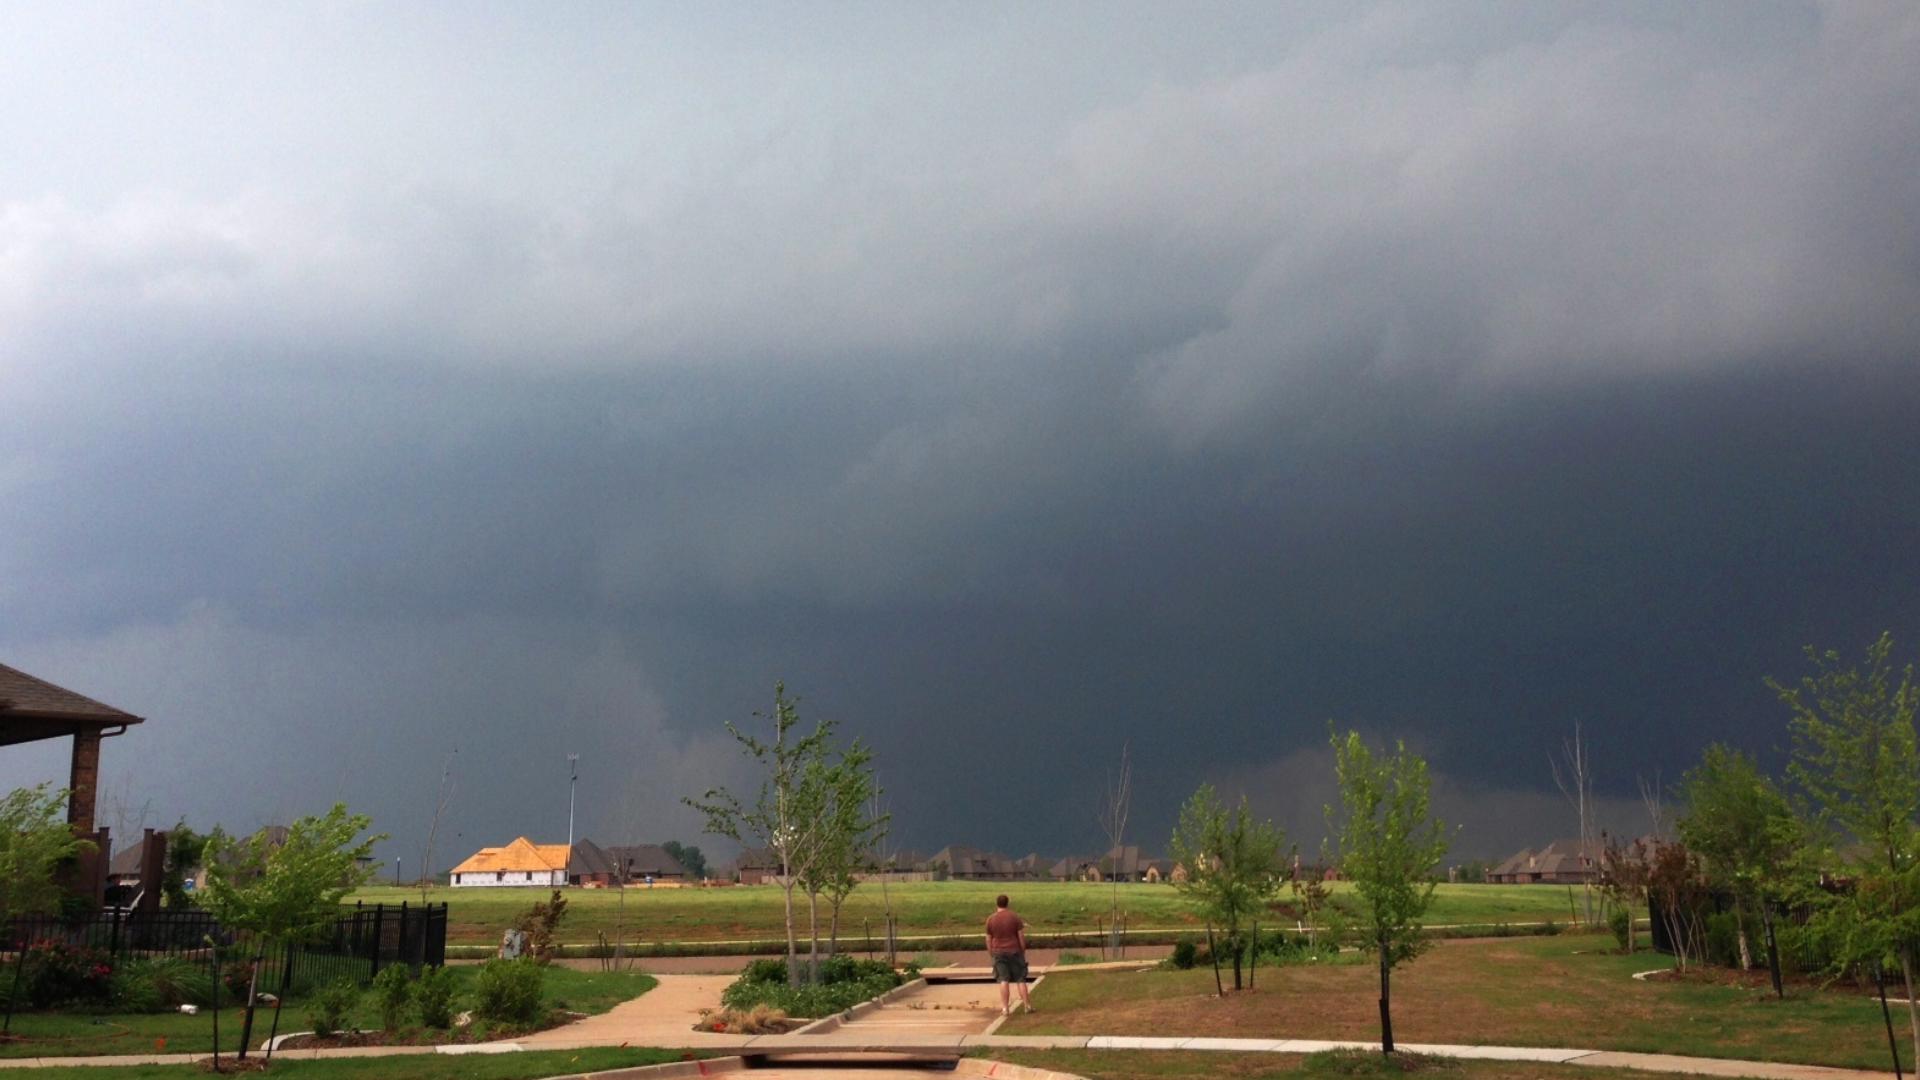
1206 1065
1567 991
477 916
522 1066
72 1034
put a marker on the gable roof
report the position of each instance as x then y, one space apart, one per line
33 708
126 862
640 860
522 855
589 858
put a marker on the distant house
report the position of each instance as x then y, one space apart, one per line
589 866
756 866
1118 864
641 864
972 865
1563 862
521 862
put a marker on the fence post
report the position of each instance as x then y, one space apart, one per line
400 948
378 911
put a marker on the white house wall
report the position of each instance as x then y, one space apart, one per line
480 879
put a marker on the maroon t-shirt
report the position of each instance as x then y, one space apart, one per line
1003 932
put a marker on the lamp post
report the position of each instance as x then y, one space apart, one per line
573 781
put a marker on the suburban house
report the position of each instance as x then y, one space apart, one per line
521 862
756 866
650 864
971 864
32 709
1118 864
1563 862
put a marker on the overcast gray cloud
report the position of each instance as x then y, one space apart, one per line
395 379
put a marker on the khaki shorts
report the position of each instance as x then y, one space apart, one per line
1009 967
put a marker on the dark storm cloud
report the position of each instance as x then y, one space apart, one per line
1441 374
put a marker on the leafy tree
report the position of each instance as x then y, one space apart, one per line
1233 864
1748 840
781 817
851 827
185 851
687 856
291 891
1856 760
1389 844
35 842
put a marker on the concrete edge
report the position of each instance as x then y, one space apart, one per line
1001 1070
835 1021
668 1070
1006 1016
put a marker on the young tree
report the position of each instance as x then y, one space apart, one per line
1389 844
289 892
780 818
35 841
1116 803
846 790
1856 760
1747 838
1233 864
1573 773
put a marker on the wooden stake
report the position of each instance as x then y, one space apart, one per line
1214 952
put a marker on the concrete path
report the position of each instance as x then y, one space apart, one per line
663 1016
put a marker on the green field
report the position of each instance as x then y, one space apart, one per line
1574 990
477 916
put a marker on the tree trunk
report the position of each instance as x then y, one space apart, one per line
833 930
1913 1007
793 948
813 931
1740 925
1386 1014
253 986
1773 951
1238 948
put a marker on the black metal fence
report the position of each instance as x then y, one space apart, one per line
360 942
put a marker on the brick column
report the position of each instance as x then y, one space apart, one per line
85 780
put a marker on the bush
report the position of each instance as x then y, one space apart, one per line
133 991
1184 954
1723 940
63 974
330 1006
844 983
392 989
433 995
1621 923
508 990
765 970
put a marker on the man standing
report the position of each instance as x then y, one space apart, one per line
1007 944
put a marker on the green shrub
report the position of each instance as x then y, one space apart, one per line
392 989
1069 958
433 995
766 970
62 974
1184 953
844 982
508 990
329 1007
1550 928
1621 923
133 991
1723 940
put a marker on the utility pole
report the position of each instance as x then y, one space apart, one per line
573 780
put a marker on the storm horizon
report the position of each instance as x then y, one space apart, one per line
390 387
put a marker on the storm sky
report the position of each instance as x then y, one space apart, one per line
380 382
